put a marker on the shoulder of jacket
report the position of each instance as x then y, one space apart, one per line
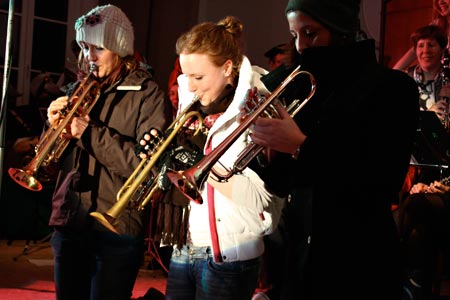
258 72
135 81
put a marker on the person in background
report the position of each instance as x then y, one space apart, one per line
43 90
424 231
423 210
69 75
276 56
172 85
219 254
440 17
337 148
431 75
92 262
429 44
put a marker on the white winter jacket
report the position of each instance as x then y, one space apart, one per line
252 212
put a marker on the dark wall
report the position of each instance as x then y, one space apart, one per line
402 18
158 24
168 20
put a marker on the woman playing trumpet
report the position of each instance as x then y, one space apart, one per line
91 262
350 158
221 255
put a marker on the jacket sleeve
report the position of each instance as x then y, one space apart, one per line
112 141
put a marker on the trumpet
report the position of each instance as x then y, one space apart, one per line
51 146
142 184
190 179
252 149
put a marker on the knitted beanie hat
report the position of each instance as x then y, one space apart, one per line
107 27
341 16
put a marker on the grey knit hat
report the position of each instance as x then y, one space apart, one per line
108 27
341 16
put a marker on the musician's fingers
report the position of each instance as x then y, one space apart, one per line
154 132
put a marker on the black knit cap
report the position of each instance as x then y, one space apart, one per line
341 16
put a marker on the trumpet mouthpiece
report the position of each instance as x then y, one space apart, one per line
92 67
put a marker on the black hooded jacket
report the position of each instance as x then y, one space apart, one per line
360 127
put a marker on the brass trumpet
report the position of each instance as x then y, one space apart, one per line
190 179
50 147
141 185
252 149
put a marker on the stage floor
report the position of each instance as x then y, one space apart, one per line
27 273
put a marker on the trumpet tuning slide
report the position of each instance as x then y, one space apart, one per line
105 220
24 179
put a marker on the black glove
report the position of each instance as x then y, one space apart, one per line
177 159
149 142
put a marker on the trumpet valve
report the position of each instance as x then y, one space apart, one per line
151 141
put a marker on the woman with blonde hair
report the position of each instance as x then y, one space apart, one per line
220 254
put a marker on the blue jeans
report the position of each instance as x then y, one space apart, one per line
95 265
194 275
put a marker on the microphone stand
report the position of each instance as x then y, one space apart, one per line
382 59
4 101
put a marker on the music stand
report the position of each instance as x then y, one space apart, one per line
432 143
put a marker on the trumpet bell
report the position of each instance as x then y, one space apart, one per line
24 179
105 220
141 186
50 146
185 185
